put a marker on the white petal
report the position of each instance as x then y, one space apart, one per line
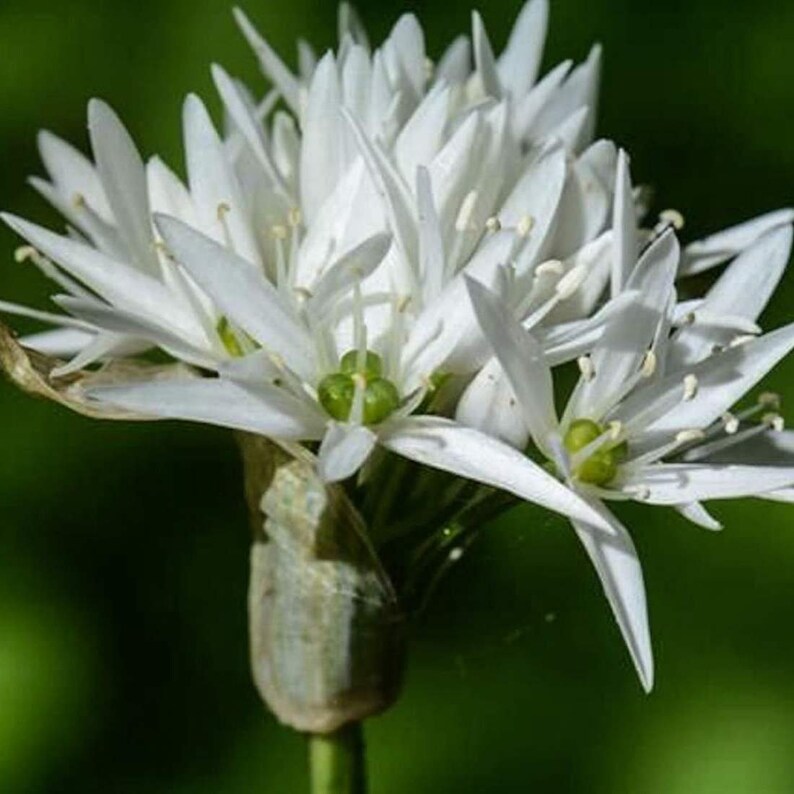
615 559
124 182
522 360
484 58
273 67
697 514
455 63
352 268
722 380
392 188
530 108
520 61
323 157
72 173
422 136
624 226
60 343
123 323
676 483
724 245
262 409
245 120
468 453
741 292
241 293
630 333
116 282
431 243
489 404
214 185
344 450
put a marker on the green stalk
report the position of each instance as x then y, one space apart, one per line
336 761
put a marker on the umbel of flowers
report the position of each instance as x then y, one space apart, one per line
373 277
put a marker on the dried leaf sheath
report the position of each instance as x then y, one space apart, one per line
31 372
327 634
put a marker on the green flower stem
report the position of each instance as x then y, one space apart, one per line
336 761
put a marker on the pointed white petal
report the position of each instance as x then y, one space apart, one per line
214 185
273 67
454 65
676 483
344 450
630 333
245 120
724 245
431 242
445 445
121 323
393 189
722 380
116 282
323 157
520 62
262 409
522 360
624 226
697 514
60 343
241 293
615 559
352 268
123 177
484 58
72 173
422 136
741 292
489 404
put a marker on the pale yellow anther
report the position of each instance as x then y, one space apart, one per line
673 217
586 367
525 225
294 217
78 201
774 422
687 436
769 399
731 423
615 429
455 554
493 224
302 295
552 267
223 210
25 253
430 69
279 232
403 302
690 387
467 207
649 363
570 282
640 492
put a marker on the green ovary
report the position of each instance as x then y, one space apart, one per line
601 467
336 391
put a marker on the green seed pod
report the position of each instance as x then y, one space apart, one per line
373 365
335 394
381 399
327 634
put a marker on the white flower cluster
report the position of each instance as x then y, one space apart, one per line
387 251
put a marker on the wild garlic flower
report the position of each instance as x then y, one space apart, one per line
650 418
386 253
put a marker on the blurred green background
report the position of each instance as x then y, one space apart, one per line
123 549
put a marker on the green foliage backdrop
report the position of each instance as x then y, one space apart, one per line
123 549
